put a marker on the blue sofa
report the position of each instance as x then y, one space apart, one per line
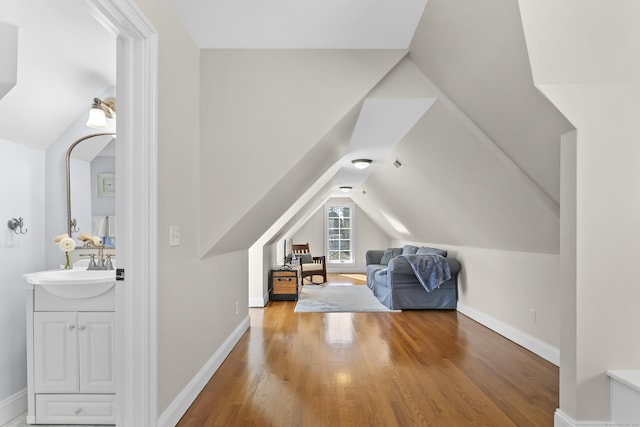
394 283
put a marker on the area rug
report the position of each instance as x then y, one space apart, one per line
338 299
355 276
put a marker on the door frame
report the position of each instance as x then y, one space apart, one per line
136 210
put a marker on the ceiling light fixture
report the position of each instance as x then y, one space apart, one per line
397 163
361 163
100 111
345 188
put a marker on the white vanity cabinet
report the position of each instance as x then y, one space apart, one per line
71 366
73 352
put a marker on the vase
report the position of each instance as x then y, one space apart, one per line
67 266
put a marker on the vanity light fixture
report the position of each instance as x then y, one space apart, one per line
345 188
361 163
100 111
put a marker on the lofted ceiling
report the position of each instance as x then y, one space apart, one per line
471 56
490 140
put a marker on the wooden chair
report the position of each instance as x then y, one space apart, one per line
317 266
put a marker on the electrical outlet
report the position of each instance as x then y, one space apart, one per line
532 314
237 308
174 235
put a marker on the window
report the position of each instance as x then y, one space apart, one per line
339 225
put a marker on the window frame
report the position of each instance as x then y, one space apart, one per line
352 228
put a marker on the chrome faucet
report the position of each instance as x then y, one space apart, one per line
102 263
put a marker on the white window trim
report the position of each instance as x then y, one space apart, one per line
352 240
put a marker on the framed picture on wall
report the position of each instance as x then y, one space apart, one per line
106 185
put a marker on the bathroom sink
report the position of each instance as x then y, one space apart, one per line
73 283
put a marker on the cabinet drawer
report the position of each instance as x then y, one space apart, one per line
75 409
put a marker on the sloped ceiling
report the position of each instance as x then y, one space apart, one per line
481 167
65 59
475 53
269 111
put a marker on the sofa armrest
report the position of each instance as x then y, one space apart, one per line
374 256
454 266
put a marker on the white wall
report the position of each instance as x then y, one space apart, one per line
582 60
568 289
196 298
312 232
499 288
367 236
22 194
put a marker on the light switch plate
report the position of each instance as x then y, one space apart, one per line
174 235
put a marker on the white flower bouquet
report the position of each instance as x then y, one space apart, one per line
66 244
89 239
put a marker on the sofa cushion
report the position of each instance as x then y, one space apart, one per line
386 256
431 251
409 250
371 270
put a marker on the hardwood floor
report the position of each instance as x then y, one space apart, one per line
415 368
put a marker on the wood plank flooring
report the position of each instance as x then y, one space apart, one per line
415 368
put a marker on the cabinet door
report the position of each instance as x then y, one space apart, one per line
96 352
55 348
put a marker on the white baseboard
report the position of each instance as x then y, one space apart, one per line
542 349
560 419
13 406
181 403
259 302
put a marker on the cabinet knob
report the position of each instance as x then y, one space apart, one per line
77 411
71 327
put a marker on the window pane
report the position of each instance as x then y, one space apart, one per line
339 233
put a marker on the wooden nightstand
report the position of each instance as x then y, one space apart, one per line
284 284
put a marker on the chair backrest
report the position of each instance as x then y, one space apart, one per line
302 248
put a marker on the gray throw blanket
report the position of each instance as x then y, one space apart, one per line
430 270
